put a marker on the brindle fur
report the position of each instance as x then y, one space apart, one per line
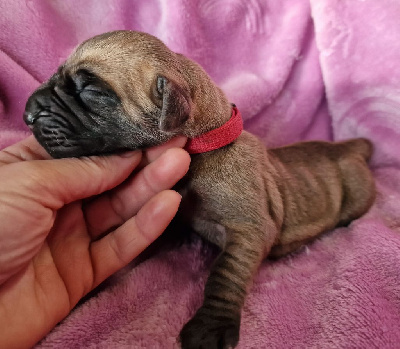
249 201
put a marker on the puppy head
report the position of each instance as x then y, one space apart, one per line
118 91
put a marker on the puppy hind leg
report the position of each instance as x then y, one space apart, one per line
216 324
358 189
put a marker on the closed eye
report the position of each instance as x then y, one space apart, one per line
93 91
97 97
92 88
89 90
96 90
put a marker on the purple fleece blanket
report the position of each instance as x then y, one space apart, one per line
319 69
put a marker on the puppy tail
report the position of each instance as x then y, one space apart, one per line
361 146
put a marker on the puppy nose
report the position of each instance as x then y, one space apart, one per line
30 117
32 110
35 106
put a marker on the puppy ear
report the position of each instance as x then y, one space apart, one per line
175 108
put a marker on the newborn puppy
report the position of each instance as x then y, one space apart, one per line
126 90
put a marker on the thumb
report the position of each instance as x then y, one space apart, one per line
54 183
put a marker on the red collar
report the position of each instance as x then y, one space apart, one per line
218 137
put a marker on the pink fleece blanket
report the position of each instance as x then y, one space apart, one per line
319 69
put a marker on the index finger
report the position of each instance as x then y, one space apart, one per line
30 149
25 150
153 153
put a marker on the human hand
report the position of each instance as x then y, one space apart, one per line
53 250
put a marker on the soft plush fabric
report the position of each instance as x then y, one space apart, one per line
296 69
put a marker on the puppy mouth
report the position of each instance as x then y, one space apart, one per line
60 139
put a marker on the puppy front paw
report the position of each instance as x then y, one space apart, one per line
207 332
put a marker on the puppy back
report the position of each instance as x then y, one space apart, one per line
361 146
